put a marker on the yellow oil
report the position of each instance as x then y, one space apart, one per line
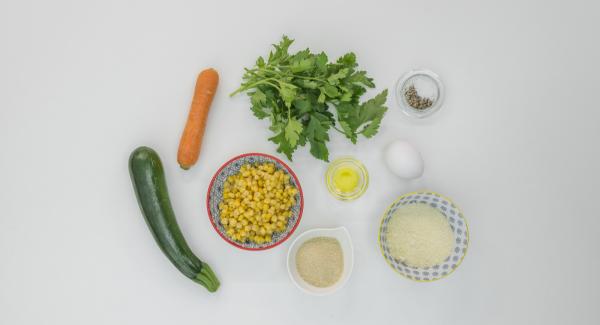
346 179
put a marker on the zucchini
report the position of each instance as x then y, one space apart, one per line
148 178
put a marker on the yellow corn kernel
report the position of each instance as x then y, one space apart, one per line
256 202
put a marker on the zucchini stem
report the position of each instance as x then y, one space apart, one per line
207 278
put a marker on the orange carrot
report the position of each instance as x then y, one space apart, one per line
191 139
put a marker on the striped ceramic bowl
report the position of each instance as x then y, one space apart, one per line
215 195
459 226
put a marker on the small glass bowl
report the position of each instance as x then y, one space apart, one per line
428 84
363 181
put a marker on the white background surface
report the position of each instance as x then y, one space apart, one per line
515 145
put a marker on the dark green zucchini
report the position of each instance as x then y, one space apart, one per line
148 178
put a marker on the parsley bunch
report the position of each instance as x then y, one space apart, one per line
296 91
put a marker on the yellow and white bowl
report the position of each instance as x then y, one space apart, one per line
459 226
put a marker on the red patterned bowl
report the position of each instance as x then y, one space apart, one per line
214 196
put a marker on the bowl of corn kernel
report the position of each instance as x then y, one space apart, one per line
255 201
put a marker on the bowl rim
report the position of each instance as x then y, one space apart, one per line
214 178
443 197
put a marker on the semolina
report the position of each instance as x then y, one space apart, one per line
420 236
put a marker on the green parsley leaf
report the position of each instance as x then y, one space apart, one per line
330 91
334 78
346 96
288 93
319 150
322 96
303 106
348 59
260 62
348 132
307 84
321 62
277 126
360 77
317 129
373 108
367 116
302 65
292 131
260 111
281 50
258 98
370 130
282 145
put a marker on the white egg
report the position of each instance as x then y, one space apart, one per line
404 160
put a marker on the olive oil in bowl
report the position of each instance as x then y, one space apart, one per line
347 178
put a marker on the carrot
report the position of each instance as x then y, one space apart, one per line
191 139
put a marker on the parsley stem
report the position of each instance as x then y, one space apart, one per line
260 82
340 131
252 71
272 84
309 78
264 70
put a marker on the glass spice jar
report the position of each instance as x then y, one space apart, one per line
419 93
